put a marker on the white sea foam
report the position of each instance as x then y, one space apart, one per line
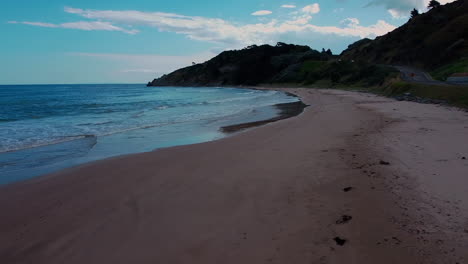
57 114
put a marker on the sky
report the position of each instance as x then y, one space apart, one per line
120 41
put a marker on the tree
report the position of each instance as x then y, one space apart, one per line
281 44
251 47
329 52
414 13
433 3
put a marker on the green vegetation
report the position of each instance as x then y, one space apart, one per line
433 4
453 95
450 95
414 13
282 63
345 73
446 71
249 66
427 41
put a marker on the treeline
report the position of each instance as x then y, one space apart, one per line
265 64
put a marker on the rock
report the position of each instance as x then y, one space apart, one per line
347 189
340 241
384 162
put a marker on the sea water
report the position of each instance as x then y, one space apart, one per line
45 128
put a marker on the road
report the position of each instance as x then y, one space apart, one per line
410 74
414 75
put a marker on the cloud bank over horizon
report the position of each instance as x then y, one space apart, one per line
216 30
82 25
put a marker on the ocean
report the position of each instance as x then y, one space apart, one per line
46 128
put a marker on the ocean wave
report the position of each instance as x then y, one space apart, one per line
17 146
162 107
147 126
139 114
244 98
220 105
4 120
96 124
48 143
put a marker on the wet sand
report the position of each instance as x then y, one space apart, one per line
356 178
286 111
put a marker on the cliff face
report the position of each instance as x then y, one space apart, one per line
249 66
427 41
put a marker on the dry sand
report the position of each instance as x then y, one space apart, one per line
273 194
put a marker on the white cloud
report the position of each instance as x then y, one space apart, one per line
398 14
96 25
262 13
350 22
355 30
401 8
230 35
288 6
312 9
82 25
301 20
39 24
221 31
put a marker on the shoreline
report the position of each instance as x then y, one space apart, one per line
15 172
287 110
357 178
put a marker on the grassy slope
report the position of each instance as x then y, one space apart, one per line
436 41
442 73
429 41
450 95
453 95
380 80
338 72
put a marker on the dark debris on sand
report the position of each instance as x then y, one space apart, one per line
340 241
287 110
344 219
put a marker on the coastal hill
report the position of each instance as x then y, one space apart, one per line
265 64
431 41
249 66
435 41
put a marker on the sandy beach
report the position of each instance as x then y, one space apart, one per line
356 178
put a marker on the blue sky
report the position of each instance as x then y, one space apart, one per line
92 41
